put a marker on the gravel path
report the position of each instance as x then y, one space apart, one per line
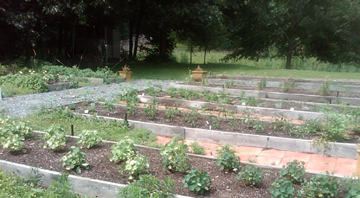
25 104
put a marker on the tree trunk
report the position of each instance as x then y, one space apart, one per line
288 59
205 54
131 31
137 31
60 39
190 52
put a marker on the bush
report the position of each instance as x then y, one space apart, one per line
123 151
136 165
88 138
196 148
282 188
13 133
173 155
226 159
352 187
197 180
250 175
54 137
148 186
294 171
320 186
74 159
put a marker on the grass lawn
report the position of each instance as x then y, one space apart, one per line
179 71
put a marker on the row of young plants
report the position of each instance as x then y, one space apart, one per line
174 159
104 72
331 128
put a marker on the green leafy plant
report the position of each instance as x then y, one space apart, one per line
191 116
171 112
108 106
280 122
123 151
287 86
74 159
320 186
213 121
152 91
250 175
13 133
352 187
324 89
54 137
282 188
136 165
197 180
173 155
294 171
258 125
262 83
196 148
150 110
226 159
88 138
148 186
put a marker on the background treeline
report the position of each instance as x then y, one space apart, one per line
327 30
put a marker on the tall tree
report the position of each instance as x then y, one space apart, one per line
290 25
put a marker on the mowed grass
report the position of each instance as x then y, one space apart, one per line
180 71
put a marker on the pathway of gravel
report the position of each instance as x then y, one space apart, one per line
25 104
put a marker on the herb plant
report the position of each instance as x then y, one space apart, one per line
148 186
282 188
88 138
294 171
54 137
173 155
250 175
196 148
74 159
320 186
136 165
197 180
226 159
123 151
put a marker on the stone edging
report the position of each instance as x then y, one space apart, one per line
334 149
80 185
273 95
290 114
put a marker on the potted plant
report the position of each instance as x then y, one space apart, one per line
198 74
125 73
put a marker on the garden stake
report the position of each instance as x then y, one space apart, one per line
125 120
72 129
357 169
267 142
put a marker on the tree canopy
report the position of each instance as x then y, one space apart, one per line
325 29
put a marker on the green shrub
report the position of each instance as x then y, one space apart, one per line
13 133
74 159
173 155
150 110
282 188
88 138
352 187
226 159
171 112
136 165
250 175
191 116
294 171
320 186
196 148
54 137
197 180
123 151
148 186
33 82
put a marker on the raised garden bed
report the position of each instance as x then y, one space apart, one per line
239 135
273 95
276 82
223 184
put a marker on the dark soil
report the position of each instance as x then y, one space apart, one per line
202 121
223 184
